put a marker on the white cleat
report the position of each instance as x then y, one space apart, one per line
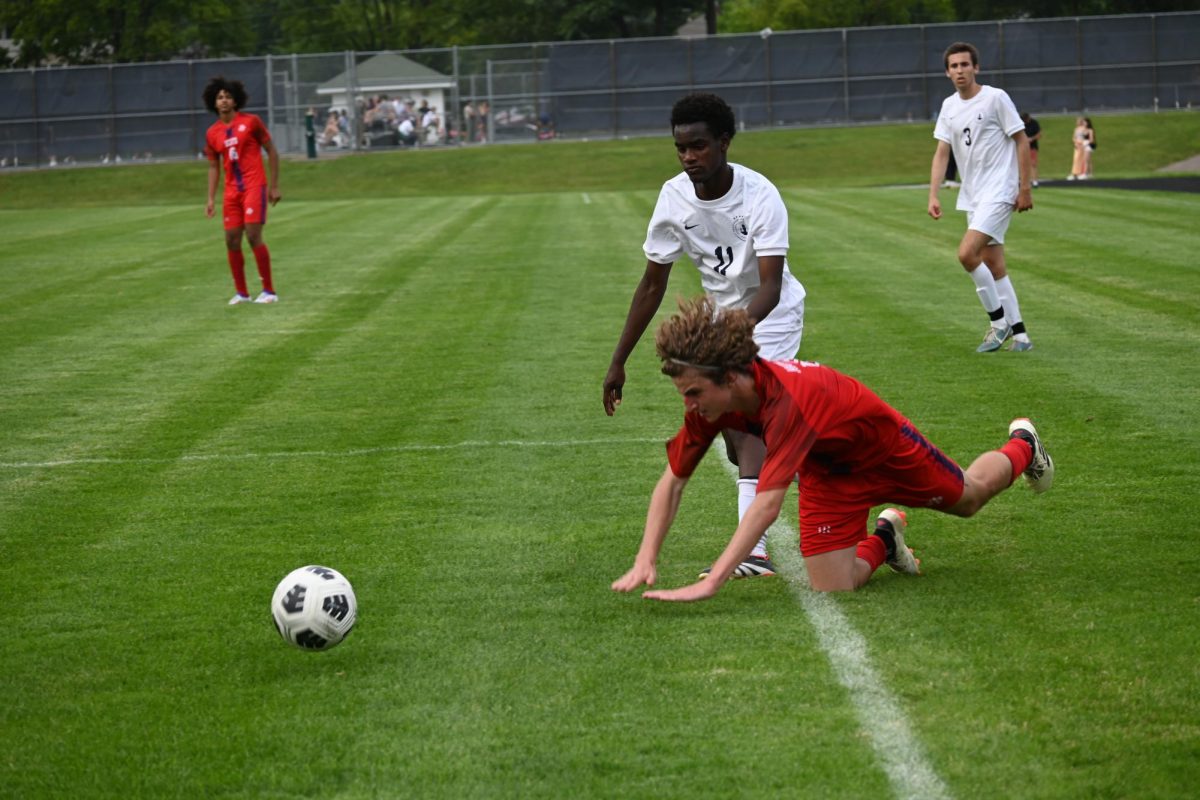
238 299
1040 472
902 559
267 297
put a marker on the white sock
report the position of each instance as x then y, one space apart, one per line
985 287
1012 310
747 489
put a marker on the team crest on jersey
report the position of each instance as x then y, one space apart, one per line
242 128
739 227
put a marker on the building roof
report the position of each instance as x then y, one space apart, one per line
388 72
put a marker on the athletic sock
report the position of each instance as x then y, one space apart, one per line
874 549
1012 309
989 297
747 489
237 265
262 257
1019 451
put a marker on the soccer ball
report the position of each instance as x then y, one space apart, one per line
314 607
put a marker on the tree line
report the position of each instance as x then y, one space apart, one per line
121 31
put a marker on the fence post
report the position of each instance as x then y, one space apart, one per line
766 37
270 94
845 76
1079 61
37 145
351 100
1154 59
612 82
112 114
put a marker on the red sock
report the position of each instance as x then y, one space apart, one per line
1020 454
237 265
873 551
262 257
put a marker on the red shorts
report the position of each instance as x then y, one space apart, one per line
834 508
245 208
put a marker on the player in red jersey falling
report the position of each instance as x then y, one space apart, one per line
851 450
237 141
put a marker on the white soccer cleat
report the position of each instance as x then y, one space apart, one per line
267 297
1040 472
902 559
238 299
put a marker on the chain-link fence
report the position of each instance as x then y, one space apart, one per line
599 89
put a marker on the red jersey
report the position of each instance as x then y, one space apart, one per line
814 420
239 143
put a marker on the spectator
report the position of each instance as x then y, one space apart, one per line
1033 132
482 114
331 135
1079 140
407 132
1090 148
469 121
431 126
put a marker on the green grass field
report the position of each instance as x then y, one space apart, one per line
422 411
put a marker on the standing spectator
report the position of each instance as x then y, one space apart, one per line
469 121
732 223
1090 147
850 449
482 113
1033 132
1079 140
238 139
980 125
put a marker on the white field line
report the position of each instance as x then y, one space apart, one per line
879 715
362 451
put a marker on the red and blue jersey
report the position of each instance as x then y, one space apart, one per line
239 144
814 420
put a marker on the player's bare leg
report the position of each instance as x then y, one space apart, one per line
972 252
747 453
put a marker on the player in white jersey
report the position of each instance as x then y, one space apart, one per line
731 222
981 126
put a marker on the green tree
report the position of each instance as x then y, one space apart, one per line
754 15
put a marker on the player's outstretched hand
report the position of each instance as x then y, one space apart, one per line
700 590
640 574
613 383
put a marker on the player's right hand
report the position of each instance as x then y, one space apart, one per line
935 209
613 383
208 209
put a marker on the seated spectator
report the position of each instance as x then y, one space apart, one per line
431 126
407 132
332 133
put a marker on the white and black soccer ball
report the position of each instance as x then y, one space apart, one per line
314 607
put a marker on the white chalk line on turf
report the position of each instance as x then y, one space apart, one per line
879 715
353 453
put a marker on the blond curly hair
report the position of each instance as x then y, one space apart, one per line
706 337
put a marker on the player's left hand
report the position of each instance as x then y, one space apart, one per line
273 196
1024 200
700 590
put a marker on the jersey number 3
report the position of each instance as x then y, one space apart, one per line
724 260
967 136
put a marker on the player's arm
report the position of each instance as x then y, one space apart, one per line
770 284
646 300
273 195
762 512
214 180
664 504
937 173
1025 169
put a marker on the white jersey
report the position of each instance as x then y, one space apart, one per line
980 132
725 237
